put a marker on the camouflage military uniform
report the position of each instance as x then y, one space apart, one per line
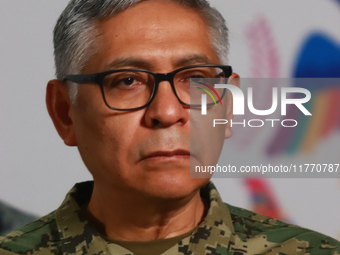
225 230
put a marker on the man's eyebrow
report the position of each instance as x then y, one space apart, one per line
131 62
192 60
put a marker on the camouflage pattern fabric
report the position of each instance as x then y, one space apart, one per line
12 218
225 230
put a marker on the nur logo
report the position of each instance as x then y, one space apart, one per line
239 99
204 97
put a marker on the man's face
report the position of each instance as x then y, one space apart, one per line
146 150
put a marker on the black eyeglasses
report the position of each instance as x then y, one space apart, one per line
134 89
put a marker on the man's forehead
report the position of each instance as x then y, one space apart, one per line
143 63
142 37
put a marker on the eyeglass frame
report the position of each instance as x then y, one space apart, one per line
98 78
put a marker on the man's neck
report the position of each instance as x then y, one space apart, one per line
142 218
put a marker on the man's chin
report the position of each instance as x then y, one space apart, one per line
174 186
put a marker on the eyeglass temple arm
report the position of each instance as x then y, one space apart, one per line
228 70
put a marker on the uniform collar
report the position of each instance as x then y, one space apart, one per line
217 227
79 237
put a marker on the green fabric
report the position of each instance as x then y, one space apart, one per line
150 248
224 230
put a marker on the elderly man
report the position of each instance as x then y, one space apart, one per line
122 97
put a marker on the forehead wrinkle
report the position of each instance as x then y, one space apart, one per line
192 60
148 65
130 61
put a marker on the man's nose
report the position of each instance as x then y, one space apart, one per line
165 109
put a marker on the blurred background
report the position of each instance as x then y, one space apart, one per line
268 39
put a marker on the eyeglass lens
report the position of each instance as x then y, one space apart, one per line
133 89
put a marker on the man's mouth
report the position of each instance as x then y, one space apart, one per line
179 153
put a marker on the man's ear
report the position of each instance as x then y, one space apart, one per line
59 107
234 79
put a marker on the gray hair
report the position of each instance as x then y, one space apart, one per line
74 33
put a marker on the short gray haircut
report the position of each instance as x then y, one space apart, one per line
75 32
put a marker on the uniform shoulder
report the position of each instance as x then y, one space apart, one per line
36 236
243 218
248 225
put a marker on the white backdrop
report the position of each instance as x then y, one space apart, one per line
37 169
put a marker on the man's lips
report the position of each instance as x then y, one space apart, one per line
167 154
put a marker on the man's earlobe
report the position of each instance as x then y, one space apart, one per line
59 107
234 79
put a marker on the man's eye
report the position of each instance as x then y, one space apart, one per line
196 76
187 78
125 82
128 81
